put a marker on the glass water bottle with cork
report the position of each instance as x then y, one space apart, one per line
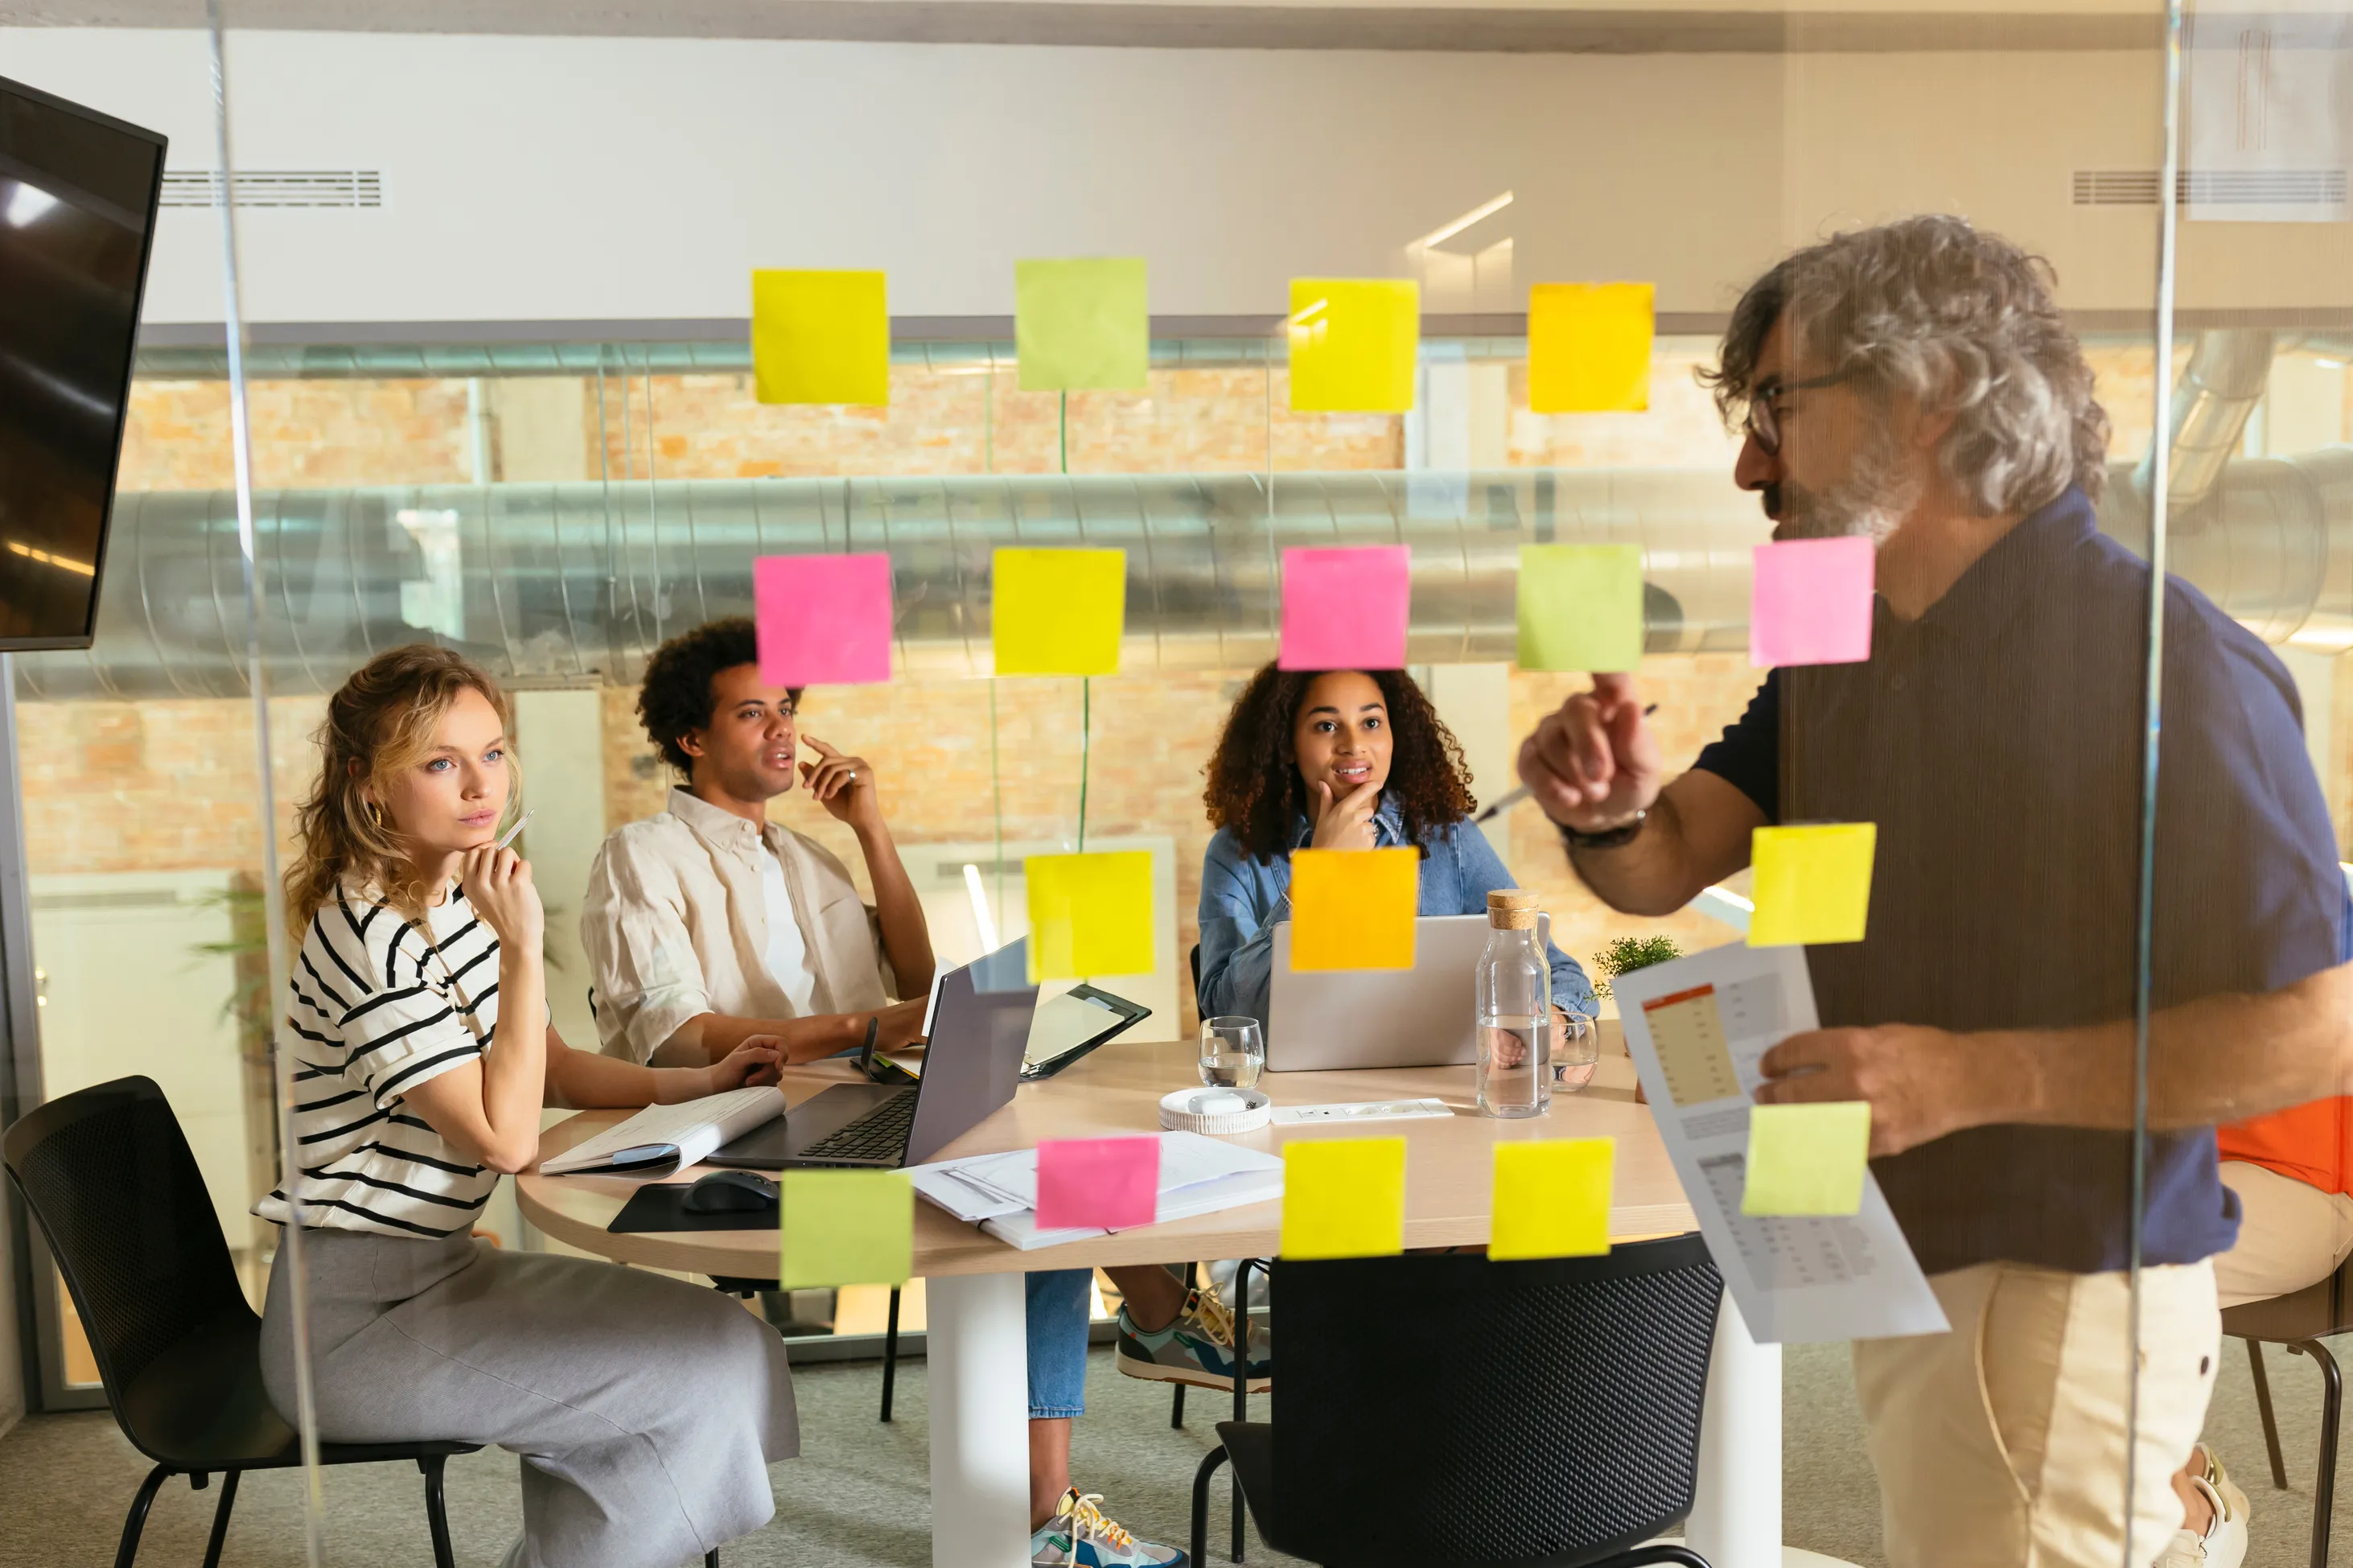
1513 1059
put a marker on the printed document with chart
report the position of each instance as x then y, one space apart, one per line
1697 1027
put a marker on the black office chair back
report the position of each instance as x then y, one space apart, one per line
109 1179
1451 1409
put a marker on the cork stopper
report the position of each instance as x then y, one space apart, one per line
1511 909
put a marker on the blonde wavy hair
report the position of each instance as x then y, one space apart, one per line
379 725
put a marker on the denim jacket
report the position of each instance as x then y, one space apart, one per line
1242 899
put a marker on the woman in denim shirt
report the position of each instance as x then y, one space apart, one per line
1340 760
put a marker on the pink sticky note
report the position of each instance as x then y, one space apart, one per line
1345 608
824 621
1098 1183
1809 602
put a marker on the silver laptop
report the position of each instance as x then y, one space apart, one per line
1330 1020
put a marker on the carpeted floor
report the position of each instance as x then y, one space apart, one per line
860 1496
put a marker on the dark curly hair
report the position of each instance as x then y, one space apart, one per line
1254 784
675 699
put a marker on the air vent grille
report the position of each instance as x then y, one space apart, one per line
277 187
2214 187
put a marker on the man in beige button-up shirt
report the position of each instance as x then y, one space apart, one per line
681 922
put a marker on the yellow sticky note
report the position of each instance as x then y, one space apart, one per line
1580 606
1057 612
1354 345
1090 915
1344 1197
1812 882
1590 348
844 1228
1081 325
1807 1159
1354 910
1552 1198
820 337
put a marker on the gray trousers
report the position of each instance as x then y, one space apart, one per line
645 1410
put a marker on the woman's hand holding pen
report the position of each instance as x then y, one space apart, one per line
498 884
1346 824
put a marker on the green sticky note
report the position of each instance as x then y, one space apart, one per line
1090 915
1581 607
1081 325
820 337
1812 882
1057 612
1807 1159
1355 344
1344 1197
844 1228
1552 1198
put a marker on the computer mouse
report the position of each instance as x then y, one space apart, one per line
730 1193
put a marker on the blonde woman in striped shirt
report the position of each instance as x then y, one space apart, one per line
646 1411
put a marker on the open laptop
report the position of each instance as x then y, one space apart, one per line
1333 1020
975 1028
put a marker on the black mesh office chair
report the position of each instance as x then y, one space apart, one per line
108 1178
1541 1414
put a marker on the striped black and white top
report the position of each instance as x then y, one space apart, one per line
379 1006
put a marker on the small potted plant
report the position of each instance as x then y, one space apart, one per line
1624 956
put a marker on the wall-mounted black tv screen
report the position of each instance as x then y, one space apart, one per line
77 219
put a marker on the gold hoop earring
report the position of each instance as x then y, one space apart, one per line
376 814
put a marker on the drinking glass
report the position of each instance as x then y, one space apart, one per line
1575 1052
1233 1052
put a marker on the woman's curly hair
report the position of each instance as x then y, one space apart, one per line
1254 784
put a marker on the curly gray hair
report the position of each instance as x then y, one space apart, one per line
1961 321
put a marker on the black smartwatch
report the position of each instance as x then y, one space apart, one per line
1623 833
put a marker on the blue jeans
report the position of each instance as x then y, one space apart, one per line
1059 1304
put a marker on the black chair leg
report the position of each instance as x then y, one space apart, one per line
2332 1406
436 1511
136 1520
890 1354
1177 1400
1653 1552
1241 1379
711 1560
1210 1463
2264 1408
220 1521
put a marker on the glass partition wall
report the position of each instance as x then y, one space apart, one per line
499 412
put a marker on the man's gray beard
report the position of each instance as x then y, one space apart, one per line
1872 501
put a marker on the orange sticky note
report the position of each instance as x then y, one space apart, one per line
1355 344
1354 910
1552 1198
1344 1197
1057 612
1590 348
844 1228
1812 882
1090 915
1806 1159
820 337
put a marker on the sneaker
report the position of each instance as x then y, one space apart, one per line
2224 1544
1079 1536
1195 1348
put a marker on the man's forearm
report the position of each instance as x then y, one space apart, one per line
906 937
1650 874
2216 1060
709 1037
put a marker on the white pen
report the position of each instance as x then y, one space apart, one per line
508 837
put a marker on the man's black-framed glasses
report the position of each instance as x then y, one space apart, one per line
1765 425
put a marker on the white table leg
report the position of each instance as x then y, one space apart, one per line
977 1353
1735 1519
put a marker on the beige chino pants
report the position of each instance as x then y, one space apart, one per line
2002 1443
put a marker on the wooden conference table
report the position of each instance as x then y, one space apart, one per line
975 1346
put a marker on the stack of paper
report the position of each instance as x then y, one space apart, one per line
1198 1175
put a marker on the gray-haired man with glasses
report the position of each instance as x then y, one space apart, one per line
1915 384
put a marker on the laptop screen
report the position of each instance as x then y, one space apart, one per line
976 1028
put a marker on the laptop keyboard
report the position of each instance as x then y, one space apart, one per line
879 1134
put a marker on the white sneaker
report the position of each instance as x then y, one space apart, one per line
2224 1544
